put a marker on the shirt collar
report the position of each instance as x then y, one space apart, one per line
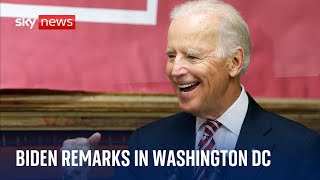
233 118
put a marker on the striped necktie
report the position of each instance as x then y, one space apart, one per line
206 143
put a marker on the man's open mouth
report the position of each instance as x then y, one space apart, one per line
188 87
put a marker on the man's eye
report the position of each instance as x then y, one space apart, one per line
191 57
171 56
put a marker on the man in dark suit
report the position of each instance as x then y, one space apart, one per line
294 148
208 50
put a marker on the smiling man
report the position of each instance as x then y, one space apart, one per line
208 50
206 79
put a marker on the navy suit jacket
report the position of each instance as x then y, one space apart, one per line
295 150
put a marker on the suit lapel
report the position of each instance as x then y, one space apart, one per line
184 139
188 143
253 136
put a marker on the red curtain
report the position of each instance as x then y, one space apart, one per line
127 55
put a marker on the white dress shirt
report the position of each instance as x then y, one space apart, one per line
226 136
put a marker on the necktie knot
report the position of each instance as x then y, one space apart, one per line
211 127
207 143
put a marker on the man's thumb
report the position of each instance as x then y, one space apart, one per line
94 139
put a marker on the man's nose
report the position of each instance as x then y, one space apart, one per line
179 68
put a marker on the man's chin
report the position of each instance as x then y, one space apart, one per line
188 108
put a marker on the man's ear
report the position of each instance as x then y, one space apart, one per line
236 62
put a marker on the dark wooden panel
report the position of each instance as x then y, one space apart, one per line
57 110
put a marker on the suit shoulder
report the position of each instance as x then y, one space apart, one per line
289 130
291 125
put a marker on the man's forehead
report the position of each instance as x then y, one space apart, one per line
200 21
199 26
197 31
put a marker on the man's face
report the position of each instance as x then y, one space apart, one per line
199 79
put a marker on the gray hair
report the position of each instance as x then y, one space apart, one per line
233 30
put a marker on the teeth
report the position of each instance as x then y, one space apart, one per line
186 85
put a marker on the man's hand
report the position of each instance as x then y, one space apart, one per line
83 144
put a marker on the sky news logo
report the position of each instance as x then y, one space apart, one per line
49 22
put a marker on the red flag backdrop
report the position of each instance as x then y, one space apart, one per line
118 46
